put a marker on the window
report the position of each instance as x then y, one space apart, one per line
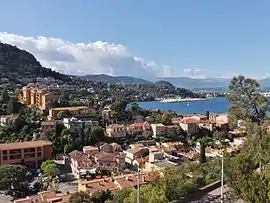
19 156
15 151
5 152
39 154
4 158
39 149
29 150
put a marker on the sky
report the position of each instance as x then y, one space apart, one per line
209 38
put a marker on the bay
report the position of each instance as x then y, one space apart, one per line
217 105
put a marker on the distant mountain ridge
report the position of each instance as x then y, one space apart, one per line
115 79
183 82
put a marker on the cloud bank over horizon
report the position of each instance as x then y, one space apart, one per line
86 58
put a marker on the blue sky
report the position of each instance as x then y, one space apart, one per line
188 38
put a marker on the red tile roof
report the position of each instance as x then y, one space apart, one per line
115 126
103 156
72 108
189 120
46 197
24 145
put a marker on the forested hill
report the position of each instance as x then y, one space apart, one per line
16 64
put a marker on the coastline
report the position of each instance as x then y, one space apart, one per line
175 100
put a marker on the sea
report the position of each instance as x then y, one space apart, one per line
217 105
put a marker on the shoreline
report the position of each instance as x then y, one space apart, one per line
175 100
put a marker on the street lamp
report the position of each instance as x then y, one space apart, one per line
138 185
222 175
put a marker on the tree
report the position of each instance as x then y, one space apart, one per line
13 106
80 197
4 97
97 133
50 168
101 196
249 105
166 118
246 101
120 195
204 138
12 175
135 107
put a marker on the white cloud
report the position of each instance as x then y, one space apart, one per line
82 59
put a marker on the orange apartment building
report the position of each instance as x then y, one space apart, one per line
30 153
37 97
73 109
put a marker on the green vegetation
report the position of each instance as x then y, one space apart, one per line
245 172
84 197
50 168
178 183
16 64
21 127
80 197
11 176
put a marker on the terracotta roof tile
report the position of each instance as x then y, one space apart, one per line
24 145
72 108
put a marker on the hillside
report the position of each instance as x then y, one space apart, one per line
17 64
115 79
21 67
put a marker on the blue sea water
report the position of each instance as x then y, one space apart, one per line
218 105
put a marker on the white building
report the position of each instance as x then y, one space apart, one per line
158 129
72 123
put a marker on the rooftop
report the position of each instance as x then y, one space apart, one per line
46 197
72 108
163 164
47 123
24 145
115 126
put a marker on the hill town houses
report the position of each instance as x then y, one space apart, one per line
112 164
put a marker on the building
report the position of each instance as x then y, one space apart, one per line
36 97
116 131
159 165
142 129
171 129
92 150
189 125
48 127
132 154
114 183
72 110
46 197
207 124
6 118
75 123
30 153
158 129
88 163
81 162
109 161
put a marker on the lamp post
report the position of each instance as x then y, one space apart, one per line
222 176
138 185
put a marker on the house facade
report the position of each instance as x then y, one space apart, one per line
30 153
116 131
158 130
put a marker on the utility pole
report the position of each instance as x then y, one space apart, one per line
138 186
222 177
